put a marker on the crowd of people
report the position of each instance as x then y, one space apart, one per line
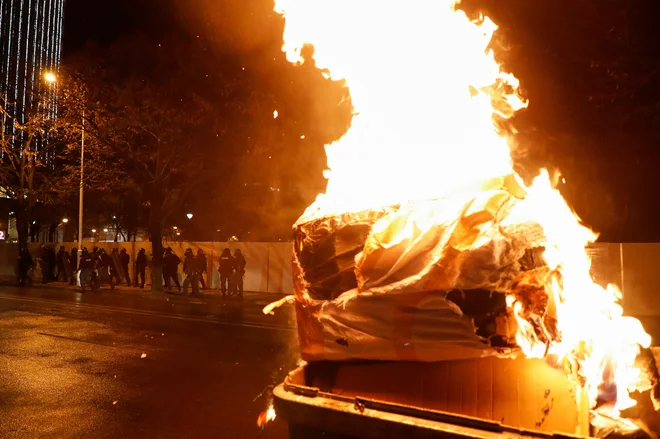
97 267
231 270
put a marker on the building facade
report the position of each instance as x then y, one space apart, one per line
30 53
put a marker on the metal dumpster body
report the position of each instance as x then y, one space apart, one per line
311 404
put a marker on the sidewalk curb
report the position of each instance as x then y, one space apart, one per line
134 291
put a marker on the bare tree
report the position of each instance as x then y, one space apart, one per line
152 140
27 171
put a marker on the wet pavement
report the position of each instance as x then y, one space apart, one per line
136 364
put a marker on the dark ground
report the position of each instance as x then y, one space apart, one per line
71 366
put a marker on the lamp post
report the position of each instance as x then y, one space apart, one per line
80 206
52 79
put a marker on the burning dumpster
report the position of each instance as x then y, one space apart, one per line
437 292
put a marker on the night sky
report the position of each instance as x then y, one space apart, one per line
590 69
103 22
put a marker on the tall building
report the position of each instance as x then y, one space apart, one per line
30 52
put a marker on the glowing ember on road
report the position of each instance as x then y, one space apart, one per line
427 92
266 417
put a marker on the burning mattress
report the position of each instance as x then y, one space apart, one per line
426 281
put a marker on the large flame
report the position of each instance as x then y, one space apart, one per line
427 90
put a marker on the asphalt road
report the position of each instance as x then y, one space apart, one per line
71 366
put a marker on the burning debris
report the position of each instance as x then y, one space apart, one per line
266 417
426 245
460 259
609 427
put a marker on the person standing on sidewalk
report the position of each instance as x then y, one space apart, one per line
47 263
124 261
96 281
62 260
202 265
171 269
73 261
87 267
239 272
51 257
141 267
191 269
114 264
226 269
25 264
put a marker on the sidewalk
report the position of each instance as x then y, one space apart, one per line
250 296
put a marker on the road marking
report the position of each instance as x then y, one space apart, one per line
145 313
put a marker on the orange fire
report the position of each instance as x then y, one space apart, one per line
426 89
266 417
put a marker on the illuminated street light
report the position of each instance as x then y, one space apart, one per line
105 230
93 230
175 227
65 220
178 233
189 215
50 77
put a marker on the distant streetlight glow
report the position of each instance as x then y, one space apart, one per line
175 227
275 114
65 220
105 230
93 230
189 215
50 77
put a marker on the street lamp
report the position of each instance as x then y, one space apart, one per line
50 77
189 215
64 222
93 230
105 230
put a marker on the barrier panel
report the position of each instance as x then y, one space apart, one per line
268 268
